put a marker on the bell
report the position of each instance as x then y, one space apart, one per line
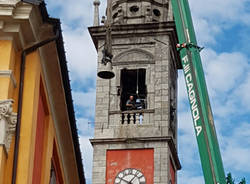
106 71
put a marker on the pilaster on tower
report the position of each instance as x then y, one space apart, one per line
137 142
96 12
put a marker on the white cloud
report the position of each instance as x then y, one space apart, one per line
81 54
224 70
77 11
185 121
85 126
237 148
223 12
212 17
87 155
244 92
205 31
85 101
189 177
226 81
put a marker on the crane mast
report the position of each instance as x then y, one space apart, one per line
203 121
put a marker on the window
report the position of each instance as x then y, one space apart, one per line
156 12
115 15
133 83
134 9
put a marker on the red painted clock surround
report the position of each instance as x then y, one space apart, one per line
140 159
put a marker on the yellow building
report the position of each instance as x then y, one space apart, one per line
38 136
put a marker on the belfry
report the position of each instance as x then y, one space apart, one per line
135 139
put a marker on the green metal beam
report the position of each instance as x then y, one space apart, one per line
198 96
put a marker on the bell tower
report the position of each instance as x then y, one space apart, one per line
135 139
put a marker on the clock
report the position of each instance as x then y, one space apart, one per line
130 176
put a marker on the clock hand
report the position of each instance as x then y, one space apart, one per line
130 182
125 180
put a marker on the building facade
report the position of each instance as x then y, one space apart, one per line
38 135
137 145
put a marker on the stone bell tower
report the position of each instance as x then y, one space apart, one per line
137 144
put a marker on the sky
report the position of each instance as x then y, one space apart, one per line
223 28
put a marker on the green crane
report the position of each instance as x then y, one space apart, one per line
198 96
203 121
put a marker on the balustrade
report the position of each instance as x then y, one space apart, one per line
132 117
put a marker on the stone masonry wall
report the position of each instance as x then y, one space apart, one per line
157 80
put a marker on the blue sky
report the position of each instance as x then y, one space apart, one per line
223 28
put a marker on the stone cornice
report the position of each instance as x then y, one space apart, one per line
15 8
22 23
167 139
8 121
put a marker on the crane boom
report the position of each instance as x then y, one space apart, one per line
203 122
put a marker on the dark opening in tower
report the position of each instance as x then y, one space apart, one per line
133 83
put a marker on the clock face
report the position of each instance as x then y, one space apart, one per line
130 176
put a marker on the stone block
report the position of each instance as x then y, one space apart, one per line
165 86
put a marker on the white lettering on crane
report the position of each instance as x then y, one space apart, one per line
191 95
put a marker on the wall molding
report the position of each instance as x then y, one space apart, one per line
9 73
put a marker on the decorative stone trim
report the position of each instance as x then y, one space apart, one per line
9 73
134 55
20 24
167 139
96 13
15 8
142 62
133 111
8 121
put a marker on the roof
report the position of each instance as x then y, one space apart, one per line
67 88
